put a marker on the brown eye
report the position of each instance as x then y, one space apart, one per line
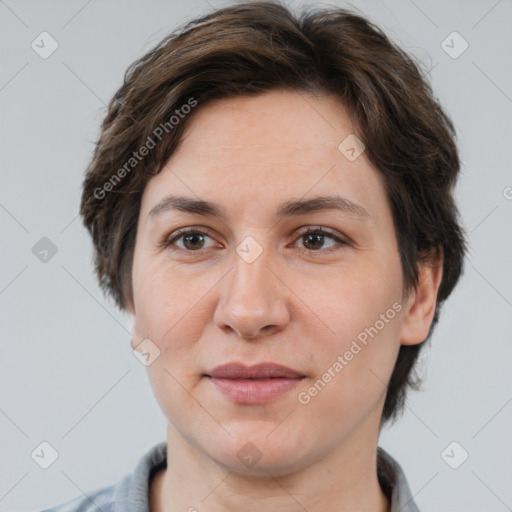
314 240
191 240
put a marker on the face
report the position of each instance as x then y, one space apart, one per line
252 286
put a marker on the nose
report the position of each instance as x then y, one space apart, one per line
253 300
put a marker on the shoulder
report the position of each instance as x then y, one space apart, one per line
100 499
130 493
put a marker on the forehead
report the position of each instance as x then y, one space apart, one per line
277 118
249 151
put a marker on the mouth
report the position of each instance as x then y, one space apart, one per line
253 385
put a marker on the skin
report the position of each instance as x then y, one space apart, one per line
302 308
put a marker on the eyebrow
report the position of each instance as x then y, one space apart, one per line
288 209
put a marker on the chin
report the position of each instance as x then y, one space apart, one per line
255 452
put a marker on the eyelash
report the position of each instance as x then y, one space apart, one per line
180 233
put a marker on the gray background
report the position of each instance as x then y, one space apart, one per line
67 373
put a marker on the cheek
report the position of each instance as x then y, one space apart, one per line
352 374
171 313
354 361
354 300
176 400
167 303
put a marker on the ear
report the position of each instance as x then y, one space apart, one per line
133 321
421 302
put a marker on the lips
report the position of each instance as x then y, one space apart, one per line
258 371
253 385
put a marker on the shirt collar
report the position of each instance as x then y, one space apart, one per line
394 483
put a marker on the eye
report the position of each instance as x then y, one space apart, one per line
193 239
313 239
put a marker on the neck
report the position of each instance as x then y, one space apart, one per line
345 480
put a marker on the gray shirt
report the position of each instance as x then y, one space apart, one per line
131 493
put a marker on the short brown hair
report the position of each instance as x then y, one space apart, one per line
250 48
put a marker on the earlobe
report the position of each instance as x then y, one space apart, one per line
133 326
422 301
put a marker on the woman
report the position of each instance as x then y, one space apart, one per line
271 201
